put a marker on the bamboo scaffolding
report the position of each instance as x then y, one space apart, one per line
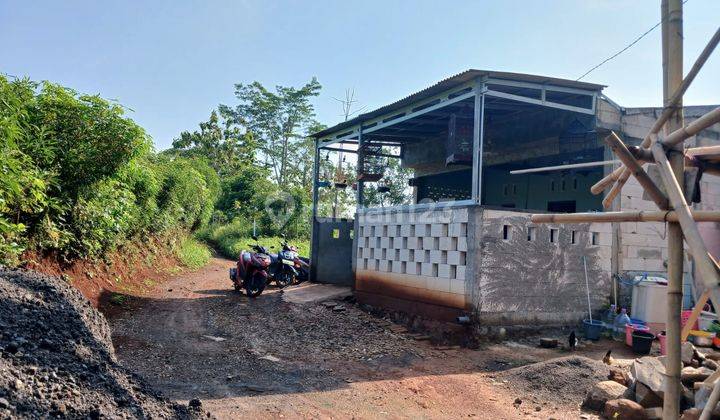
618 147
619 173
624 216
684 133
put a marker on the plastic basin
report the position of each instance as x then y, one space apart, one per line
642 342
630 328
592 329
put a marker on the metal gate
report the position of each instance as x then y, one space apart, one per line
332 249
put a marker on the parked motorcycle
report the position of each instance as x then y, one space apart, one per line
251 273
288 266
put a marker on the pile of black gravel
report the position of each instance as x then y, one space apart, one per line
557 380
57 359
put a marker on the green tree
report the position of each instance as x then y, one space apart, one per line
225 145
278 120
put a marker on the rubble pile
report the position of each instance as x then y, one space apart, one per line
57 360
638 393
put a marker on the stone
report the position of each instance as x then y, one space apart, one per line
710 364
650 372
4 403
655 413
713 355
195 403
548 343
691 414
602 392
687 351
692 375
701 396
646 397
623 409
619 376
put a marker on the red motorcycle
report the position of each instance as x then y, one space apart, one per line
251 273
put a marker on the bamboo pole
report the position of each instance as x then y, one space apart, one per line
667 112
616 188
672 32
684 133
623 216
711 402
694 315
704 263
618 147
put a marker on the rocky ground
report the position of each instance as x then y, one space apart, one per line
193 337
57 358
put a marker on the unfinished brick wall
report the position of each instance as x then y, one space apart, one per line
529 273
414 254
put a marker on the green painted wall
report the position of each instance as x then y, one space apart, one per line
534 191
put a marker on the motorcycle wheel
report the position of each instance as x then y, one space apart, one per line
284 279
255 286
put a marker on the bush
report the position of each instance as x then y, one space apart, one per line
232 238
193 254
80 178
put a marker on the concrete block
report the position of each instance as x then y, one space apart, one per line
384 242
446 243
383 265
367 252
457 229
457 286
438 230
411 268
428 242
436 257
462 244
405 255
426 269
460 272
377 253
460 215
456 257
405 230
444 271
397 267
415 243
438 283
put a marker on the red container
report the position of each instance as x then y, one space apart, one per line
685 315
630 328
661 337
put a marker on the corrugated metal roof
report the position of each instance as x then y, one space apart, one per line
455 80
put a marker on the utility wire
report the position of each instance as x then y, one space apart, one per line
624 49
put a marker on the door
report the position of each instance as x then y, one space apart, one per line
332 245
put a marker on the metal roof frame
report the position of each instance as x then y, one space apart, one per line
452 90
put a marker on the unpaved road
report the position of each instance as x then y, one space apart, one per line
193 337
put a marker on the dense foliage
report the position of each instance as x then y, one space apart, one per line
80 178
262 152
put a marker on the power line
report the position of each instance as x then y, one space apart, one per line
624 49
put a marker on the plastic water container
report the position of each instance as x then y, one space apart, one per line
620 322
649 302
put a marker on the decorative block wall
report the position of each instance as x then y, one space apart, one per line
417 255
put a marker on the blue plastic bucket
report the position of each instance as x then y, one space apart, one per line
592 329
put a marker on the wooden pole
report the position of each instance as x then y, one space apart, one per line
618 147
624 216
667 112
672 33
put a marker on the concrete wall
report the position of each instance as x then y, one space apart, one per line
524 278
414 254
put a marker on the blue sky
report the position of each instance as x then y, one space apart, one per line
172 62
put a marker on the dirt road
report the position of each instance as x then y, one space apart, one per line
193 337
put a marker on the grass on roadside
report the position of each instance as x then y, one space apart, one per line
230 239
193 254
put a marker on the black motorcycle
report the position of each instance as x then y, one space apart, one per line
283 269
